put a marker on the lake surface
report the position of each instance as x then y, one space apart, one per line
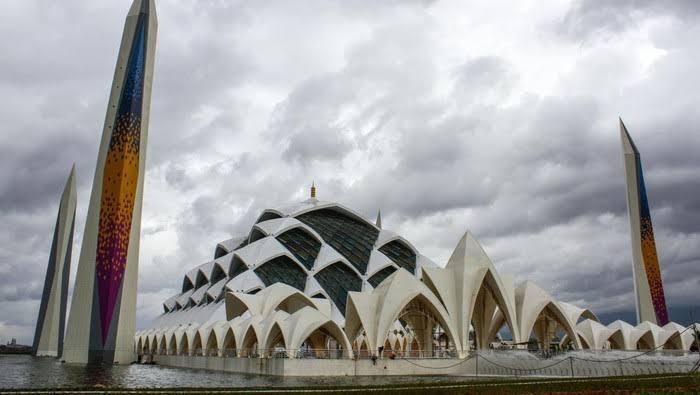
23 371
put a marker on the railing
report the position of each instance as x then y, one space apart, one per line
413 354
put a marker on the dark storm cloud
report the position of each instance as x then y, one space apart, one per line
511 133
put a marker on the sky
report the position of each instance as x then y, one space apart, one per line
497 117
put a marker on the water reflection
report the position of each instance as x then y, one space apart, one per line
22 371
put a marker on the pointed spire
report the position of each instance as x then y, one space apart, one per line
70 182
627 143
313 190
48 336
379 219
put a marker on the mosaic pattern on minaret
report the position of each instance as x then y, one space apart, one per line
119 185
649 256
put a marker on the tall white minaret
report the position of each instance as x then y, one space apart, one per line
48 336
102 318
648 287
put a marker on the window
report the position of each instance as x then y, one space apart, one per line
282 270
351 237
337 280
399 252
380 276
300 243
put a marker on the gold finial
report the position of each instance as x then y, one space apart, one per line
313 190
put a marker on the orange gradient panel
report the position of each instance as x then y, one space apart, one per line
119 184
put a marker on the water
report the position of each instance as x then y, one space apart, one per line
23 371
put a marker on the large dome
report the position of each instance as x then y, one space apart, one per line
321 248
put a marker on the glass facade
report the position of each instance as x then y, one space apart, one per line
351 237
282 270
337 280
379 276
400 254
300 243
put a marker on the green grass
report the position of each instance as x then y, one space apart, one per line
670 383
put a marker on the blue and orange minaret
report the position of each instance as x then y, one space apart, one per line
648 287
102 318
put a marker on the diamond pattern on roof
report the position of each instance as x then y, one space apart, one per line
300 243
282 270
380 276
400 254
351 237
337 280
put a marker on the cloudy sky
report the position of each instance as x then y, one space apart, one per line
493 116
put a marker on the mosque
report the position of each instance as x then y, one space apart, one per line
309 283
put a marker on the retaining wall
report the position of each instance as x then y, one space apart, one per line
486 365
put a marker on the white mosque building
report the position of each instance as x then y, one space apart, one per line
317 280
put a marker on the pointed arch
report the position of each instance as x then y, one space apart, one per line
490 298
275 341
538 312
162 345
197 344
229 344
183 345
249 344
211 348
172 345
364 350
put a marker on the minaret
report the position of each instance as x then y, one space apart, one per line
48 336
378 222
313 190
102 319
648 288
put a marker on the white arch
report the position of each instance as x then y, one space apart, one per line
531 301
377 311
306 321
470 276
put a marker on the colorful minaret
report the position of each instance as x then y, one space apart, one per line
102 319
48 336
648 288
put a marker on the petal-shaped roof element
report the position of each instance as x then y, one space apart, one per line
377 311
245 282
328 256
575 313
530 302
470 276
682 337
278 296
654 336
377 262
227 246
593 333
623 336
304 322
